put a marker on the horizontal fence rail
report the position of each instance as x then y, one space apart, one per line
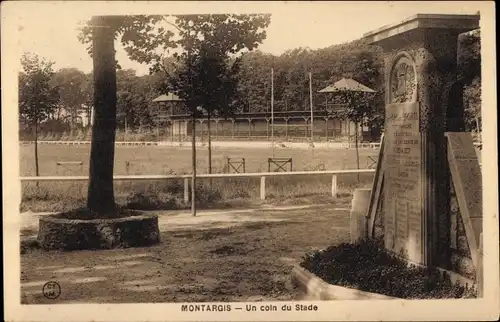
213 175
186 177
344 145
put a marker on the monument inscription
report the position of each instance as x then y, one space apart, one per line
403 188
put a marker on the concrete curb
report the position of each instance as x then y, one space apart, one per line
317 289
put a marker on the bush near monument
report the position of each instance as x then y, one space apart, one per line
367 266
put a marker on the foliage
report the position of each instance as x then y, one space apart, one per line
291 83
367 266
198 60
202 73
472 102
134 98
357 106
73 86
38 99
208 81
128 27
150 40
469 63
469 56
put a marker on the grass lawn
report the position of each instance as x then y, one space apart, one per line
61 196
222 256
166 160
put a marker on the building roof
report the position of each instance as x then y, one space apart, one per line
168 98
347 84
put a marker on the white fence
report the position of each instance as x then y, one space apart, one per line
343 145
186 177
221 144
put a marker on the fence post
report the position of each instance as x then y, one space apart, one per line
186 190
263 188
334 186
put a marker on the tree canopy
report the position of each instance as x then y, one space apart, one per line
252 71
37 97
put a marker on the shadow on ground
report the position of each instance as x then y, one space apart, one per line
247 261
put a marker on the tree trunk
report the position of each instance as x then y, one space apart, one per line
72 125
193 178
89 117
209 149
100 197
126 130
356 144
478 129
37 171
209 145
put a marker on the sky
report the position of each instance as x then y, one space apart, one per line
50 29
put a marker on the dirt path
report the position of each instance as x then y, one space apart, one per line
217 256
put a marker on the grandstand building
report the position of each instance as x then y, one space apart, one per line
288 125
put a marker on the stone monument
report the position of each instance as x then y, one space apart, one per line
420 55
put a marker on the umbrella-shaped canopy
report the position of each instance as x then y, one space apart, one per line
171 101
347 84
168 98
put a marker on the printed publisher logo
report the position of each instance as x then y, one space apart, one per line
51 290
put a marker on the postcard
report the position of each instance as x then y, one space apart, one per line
249 161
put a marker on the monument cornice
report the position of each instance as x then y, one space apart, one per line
460 23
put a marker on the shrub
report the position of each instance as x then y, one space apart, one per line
150 200
207 194
368 266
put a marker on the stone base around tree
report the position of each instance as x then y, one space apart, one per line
56 233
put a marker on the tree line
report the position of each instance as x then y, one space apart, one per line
65 96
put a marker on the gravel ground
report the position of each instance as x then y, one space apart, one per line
218 256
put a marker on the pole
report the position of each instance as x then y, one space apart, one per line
125 136
158 124
312 114
327 113
311 102
272 108
193 136
37 171
193 162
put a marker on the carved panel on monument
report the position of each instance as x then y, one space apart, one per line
403 84
403 203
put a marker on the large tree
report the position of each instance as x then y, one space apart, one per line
146 40
100 34
100 197
207 42
359 108
200 39
38 99
209 83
